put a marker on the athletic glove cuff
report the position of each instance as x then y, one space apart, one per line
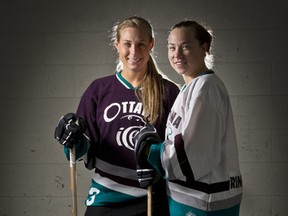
70 129
142 141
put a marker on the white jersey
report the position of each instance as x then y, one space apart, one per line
200 156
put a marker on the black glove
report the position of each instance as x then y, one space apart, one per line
146 177
143 140
70 129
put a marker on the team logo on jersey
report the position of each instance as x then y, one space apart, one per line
175 119
93 192
235 182
130 122
124 136
169 130
189 214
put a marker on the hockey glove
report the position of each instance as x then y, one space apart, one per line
146 177
70 129
143 140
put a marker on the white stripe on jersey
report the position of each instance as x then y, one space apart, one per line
132 191
116 170
201 200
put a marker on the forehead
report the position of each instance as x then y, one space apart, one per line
131 33
181 35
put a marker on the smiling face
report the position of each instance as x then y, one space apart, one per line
134 46
186 54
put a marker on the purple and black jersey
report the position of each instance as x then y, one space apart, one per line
114 114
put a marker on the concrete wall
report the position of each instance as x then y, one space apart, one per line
50 50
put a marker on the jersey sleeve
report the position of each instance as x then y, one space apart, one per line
80 149
87 110
201 137
171 91
170 95
196 150
154 157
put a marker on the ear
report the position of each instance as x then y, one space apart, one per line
205 47
117 45
152 44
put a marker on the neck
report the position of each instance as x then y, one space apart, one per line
134 78
188 78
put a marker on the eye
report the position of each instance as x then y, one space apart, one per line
185 47
171 48
141 44
127 45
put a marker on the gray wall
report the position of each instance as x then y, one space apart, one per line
50 50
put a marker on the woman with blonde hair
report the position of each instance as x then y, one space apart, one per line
111 111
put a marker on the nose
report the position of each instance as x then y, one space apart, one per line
133 49
178 53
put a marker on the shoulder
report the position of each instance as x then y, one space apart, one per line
101 83
171 91
214 83
208 87
168 84
104 80
207 81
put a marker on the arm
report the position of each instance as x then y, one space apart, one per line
194 149
87 110
70 132
80 148
154 157
142 143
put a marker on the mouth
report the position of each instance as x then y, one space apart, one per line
134 60
179 63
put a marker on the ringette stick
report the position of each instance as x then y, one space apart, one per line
149 201
73 181
149 189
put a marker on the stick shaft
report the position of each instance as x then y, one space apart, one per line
73 181
149 201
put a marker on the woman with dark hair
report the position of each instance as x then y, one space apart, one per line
199 157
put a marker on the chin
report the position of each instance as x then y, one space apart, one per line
180 72
133 68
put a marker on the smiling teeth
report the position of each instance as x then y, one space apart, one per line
134 60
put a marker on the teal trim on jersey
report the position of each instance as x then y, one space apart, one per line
178 209
201 74
154 157
183 87
81 149
100 195
206 72
124 81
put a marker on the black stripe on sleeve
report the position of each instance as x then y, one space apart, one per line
204 187
183 159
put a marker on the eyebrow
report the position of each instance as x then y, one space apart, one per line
142 40
183 43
